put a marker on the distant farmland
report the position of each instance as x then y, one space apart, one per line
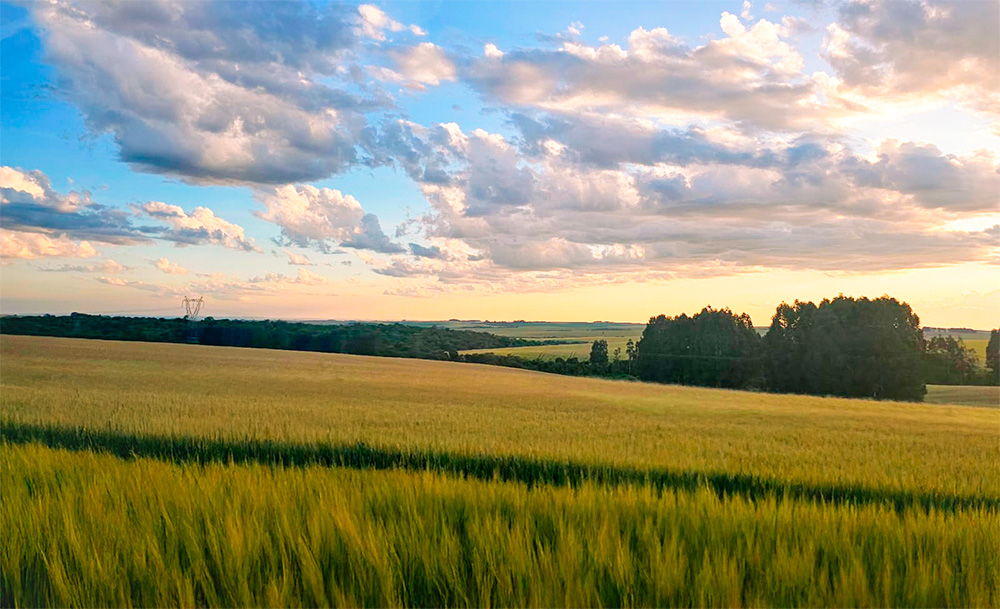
162 474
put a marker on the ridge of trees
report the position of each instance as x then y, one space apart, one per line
393 340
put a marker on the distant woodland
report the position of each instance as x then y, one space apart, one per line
392 340
873 348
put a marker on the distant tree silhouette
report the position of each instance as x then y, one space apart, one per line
599 353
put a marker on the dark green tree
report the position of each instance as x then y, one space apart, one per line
631 353
947 361
993 356
846 347
713 348
599 354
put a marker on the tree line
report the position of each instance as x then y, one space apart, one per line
871 348
393 340
848 347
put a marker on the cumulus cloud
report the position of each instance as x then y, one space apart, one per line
425 64
752 74
625 197
323 218
374 22
200 226
29 204
214 91
17 244
653 158
906 49
298 259
170 268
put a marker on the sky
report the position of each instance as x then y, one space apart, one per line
546 161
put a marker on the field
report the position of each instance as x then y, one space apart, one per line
142 474
579 350
968 395
542 330
978 345
582 336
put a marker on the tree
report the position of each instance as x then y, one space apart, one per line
993 356
947 361
713 348
599 354
631 352
847 347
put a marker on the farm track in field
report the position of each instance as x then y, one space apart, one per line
526 470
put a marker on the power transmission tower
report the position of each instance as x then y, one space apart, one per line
192 307
192 310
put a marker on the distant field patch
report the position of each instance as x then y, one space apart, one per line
967 395
978 345
580 350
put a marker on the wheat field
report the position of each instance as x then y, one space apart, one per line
142 474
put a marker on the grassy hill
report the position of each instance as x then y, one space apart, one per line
162 474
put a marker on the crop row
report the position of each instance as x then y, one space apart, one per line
526 470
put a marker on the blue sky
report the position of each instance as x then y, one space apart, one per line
499 160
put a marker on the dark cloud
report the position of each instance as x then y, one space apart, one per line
425 252
371 237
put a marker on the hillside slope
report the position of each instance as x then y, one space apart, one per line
227 393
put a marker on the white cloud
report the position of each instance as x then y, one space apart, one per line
200 226
139 285
491 50
298 259
17 244
168 267
374 23
752 75
322 217
425 64
619 196
213 92
890 50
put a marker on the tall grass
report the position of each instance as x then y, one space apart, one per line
407 405
84 529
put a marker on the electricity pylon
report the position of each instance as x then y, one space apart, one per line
192 307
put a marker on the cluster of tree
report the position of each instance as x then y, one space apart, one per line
947 361
846 347
394 340
713 348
